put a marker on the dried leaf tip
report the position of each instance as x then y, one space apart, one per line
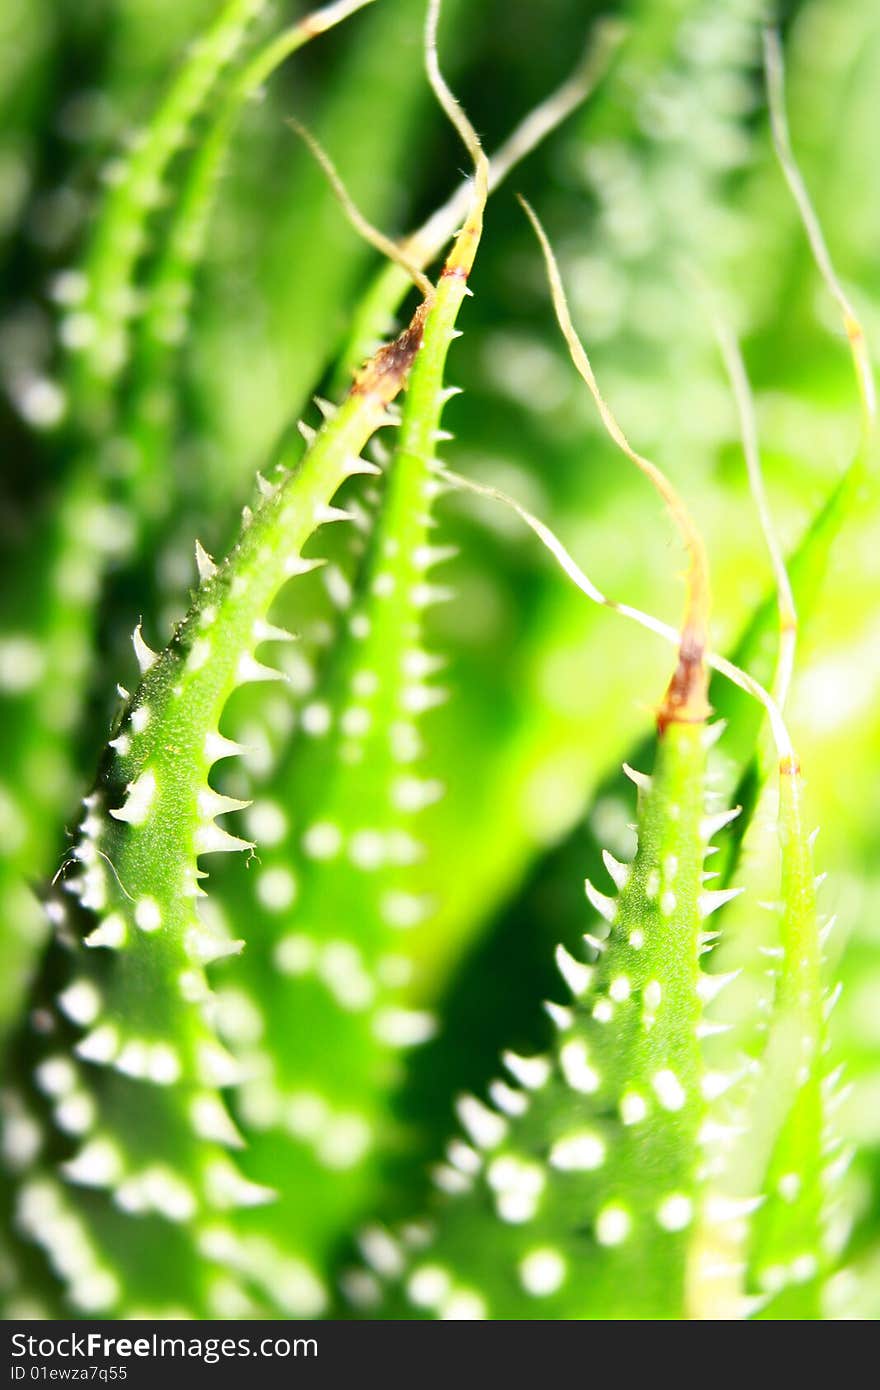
319 21
385 373
774 69
364 228
687 696
461 258
686 700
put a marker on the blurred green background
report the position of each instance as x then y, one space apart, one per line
667 169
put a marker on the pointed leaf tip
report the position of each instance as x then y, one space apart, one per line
640 779
604 905
204 564
617 871
714 898
146 657
575 974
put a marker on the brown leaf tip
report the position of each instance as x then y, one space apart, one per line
686 699
385 373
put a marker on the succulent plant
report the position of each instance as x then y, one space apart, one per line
230 1096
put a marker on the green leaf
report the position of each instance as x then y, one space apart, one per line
143 1069
576 1187
95 329
353 785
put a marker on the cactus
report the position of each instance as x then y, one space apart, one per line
214 1099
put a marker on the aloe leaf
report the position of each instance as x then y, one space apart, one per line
353 783
327 906
95 330
788 1258
773 1148
136 1113
578 1183
43 701
98 518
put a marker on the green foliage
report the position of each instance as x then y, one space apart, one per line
787 1245
581 1180
250 1101
95 330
